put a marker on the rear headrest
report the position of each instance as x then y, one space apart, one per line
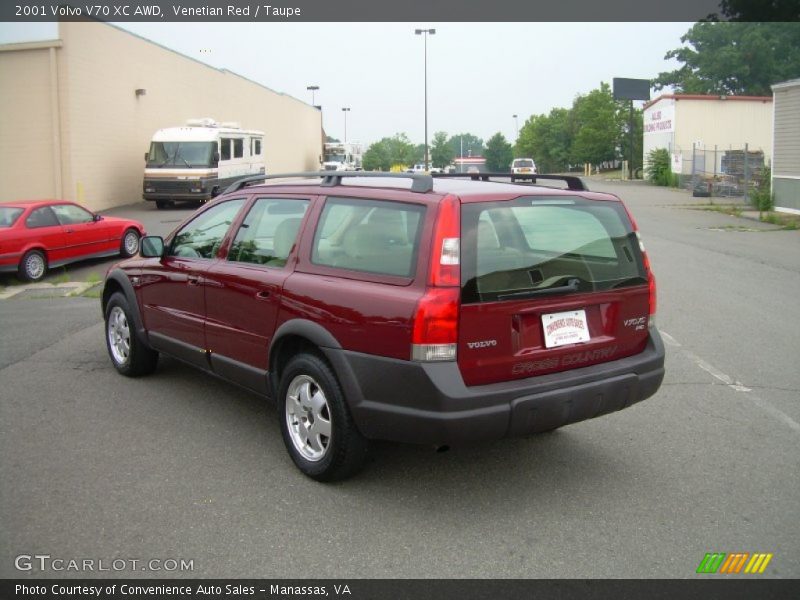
390 225
487 238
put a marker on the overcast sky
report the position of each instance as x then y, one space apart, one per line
479 75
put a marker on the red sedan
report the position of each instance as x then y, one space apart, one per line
36 235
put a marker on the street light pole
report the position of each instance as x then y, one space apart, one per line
345 111
516 125
426 32
313 89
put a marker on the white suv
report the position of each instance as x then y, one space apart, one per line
522 166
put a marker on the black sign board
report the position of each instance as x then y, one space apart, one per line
631 89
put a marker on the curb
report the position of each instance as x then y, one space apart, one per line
49 290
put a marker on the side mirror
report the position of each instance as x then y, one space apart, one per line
152 246
96 218
146 156
215 158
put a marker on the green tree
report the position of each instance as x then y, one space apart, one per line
765 10
595 122
734 58
547 140
395 150
498 153
471 145
331 140
441 152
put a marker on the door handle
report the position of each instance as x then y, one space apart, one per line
262 295
193 281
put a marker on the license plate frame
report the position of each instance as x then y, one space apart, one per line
564 328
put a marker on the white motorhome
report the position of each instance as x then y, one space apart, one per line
199 160
342 156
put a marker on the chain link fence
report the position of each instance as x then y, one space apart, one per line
719 172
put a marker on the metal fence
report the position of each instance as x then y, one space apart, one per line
720 172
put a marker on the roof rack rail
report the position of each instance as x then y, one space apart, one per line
420 182
573 182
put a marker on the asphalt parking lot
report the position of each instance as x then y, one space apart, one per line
183 466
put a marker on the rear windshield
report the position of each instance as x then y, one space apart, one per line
9 215
517 249
523 162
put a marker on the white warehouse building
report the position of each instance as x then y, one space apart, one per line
698 130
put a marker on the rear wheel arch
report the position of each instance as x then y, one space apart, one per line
32 251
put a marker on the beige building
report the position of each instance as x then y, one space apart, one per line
705 133
786 164
79 112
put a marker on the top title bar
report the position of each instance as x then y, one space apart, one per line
370 11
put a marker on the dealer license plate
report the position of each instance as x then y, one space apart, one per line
564 328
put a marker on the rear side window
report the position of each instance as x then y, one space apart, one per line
524 247
9 215
42 217
371 236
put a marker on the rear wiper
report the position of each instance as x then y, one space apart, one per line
571 286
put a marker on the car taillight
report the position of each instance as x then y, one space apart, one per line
445 269
435 333
651 279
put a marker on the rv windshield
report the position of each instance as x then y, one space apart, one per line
180 154
334 158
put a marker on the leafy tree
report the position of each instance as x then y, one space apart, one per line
596 125
472 145
498 153
734 58
331 140
441 152
383 154
547 139
764 10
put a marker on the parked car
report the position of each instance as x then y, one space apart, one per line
37 235
407 308
522 166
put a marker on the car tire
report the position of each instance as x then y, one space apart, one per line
162 204
317 427
129 355
33 266
130 243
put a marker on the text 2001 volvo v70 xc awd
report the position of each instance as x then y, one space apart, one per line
430 310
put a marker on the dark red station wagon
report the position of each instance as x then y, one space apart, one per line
399 307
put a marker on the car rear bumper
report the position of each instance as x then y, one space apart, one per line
429 403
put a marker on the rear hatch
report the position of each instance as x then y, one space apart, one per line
549 284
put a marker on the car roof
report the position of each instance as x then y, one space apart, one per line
27 203
466 189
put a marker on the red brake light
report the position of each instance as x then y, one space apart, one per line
435 331
445 269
